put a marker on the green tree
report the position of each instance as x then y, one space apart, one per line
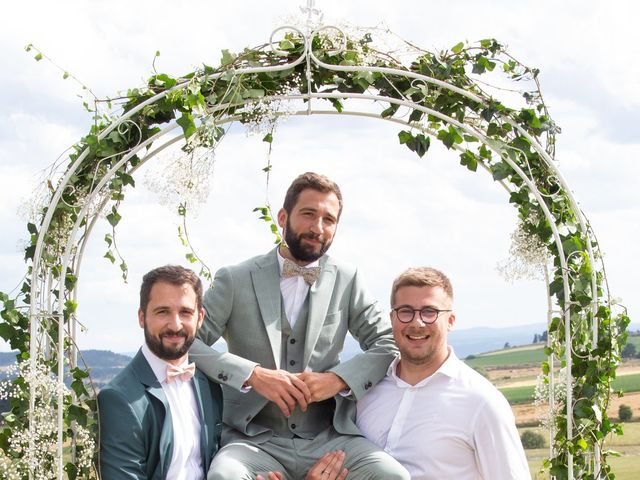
625 413
629 351
531 439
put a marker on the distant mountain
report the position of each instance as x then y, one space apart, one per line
104 364
471 341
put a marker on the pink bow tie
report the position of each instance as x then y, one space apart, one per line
183 374
290 269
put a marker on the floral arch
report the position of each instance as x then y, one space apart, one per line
317 70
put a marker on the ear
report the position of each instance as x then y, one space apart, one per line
282 218
451 321
140 318
200 318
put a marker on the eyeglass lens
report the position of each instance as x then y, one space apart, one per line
427 314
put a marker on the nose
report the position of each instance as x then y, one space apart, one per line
418 319
316 226
175 322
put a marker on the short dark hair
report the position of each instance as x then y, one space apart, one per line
173 274
421 277
314 181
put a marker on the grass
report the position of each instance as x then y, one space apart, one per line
524 394
516 395
512 356
627 383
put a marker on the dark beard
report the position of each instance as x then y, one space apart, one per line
300 252
158 348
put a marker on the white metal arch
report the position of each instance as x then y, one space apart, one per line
44 280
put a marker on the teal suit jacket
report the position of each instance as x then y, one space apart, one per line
244 307
136 434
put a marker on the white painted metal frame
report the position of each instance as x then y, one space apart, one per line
44 281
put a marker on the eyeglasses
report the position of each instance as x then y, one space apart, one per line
427 314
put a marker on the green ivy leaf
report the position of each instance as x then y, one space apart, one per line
469 160
114 217
109 256
286 44
501 170
388 112
449 137
187 124
404 137
227 58
458 47
337 104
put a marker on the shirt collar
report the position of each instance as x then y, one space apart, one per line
158 365
281 261
450 368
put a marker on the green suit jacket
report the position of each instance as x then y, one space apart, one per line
244 307
136 434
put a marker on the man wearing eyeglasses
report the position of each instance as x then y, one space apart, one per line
435 415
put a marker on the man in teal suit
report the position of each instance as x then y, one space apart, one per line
284 316
161 418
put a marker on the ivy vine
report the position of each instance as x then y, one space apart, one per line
451 104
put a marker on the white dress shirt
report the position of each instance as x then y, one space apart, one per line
452 425
294 291
186 460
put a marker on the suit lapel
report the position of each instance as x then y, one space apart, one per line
205 406
149 380
319 298
266 285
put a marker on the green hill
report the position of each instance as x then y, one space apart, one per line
520 356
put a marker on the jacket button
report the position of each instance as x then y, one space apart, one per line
292 341
225 378
293 426
221 376
248 419
292 362
367 386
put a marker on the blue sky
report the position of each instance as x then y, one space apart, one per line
399 210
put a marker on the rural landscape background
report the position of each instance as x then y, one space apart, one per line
513 366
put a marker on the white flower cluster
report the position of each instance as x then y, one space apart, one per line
182 178
265 115
545 392
528 257
33 450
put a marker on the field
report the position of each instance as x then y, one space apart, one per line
635 339
524 394
510 356
514 371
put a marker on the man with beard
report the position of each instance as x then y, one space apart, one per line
285 315
434 414
161 418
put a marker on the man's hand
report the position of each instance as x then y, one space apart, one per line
271 476
329 467
322 385
281 387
